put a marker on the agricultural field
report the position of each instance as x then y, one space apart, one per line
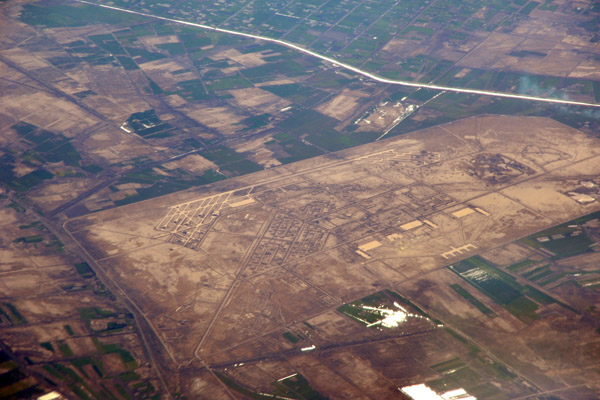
548 47
192 214
66 329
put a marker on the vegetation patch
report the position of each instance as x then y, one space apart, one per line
12 314
499 286
296 387
147 123
292 387
70 16
565 240
47 346
289 336
365 310
65 349
84 270
520 265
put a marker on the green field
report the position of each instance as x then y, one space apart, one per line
84 270
384 298
295 149
81 15
289 336
228 83
520 265
565 240
499 286
296 387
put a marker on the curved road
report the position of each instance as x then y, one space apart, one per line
350 67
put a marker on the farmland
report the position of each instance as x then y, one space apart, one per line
390 37
72 334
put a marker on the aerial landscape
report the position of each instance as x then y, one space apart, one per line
300 199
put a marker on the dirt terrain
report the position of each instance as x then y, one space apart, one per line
276 249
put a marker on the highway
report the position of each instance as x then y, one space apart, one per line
350 67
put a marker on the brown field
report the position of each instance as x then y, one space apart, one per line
247 60
563 57
260 153
223 119
258 101
161 71
341 106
